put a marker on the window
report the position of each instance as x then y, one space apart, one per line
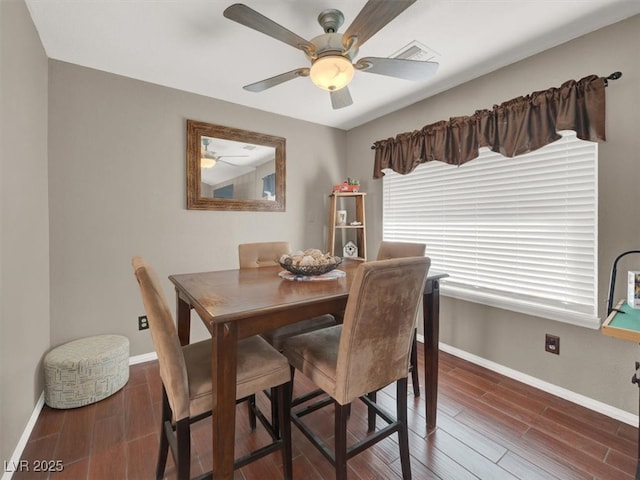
515 233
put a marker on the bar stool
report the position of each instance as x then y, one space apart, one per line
363 355
186 382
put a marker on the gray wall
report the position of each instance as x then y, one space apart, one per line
589 363
117 189
24 222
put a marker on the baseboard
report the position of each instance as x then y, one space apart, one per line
578 399
145 357
13 464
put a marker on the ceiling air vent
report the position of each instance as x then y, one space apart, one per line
416 51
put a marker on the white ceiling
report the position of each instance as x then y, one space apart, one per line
189 45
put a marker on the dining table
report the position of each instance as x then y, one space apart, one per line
239 303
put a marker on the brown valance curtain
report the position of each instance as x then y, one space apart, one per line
512 128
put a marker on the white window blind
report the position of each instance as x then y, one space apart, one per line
517 233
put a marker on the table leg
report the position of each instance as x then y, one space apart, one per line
224 354
431 328
183 319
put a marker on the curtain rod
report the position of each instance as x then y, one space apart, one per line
613 76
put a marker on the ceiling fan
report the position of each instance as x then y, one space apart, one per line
208 159
332 53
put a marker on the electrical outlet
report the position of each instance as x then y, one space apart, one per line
143 323
552 344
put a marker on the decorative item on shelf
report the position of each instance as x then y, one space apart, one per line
349 185
353 230
341 217
309 262
350 250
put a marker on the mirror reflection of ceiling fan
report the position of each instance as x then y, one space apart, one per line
208 159
331 54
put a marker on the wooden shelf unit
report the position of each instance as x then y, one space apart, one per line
358 231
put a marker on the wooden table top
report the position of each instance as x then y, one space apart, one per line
231 295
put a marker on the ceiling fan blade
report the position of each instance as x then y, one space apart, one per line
398 67
250 18
219 159
372 18
277 80
231 164
341 98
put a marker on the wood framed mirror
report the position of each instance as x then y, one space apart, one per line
234 169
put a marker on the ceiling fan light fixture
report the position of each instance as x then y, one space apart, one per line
206 162
207 159
332 72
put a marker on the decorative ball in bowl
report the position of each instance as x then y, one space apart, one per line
309 262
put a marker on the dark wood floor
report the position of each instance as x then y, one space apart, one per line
489 427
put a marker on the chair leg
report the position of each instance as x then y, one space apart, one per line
251 406
283 395
341 417
371 413
292 369
183 462
275 410
415 374
164 441
403 434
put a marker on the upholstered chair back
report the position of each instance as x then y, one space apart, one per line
261 254
400 249
374 352
173 370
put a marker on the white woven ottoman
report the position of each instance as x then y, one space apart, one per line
85 371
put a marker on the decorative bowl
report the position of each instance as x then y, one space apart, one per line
310 270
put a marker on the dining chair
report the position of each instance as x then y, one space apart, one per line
186 382
363 355
389 250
